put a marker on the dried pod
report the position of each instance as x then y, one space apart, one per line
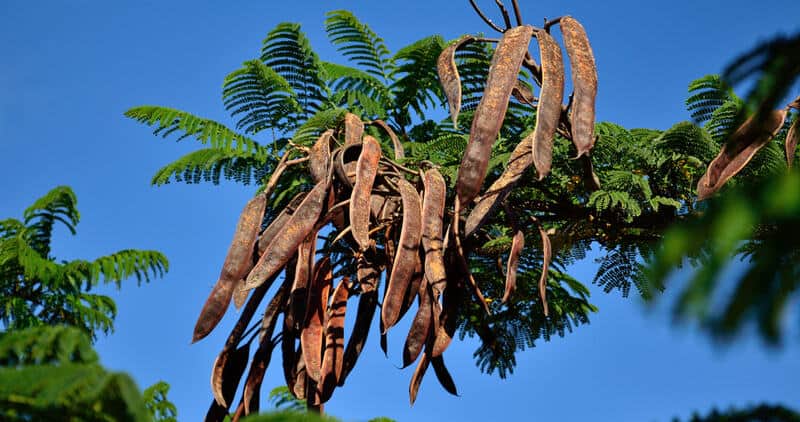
277 225
792 137
452 298
406 258
517 244
420 327
432 224
289 353
366 170
443 375
238 262
590 179
584 82
353 129
489 115
548 113
297 228
399 152
332 357
413 288
320 157
448 75
301 379
523 93
312 335
303 271
416 379
345 161
228 370
368 277
547 251
748 139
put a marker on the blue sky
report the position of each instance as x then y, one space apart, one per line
70 69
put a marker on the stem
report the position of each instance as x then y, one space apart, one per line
549 23
517 12
504 11
484 17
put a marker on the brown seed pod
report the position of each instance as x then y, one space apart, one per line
366 170
303 271
289 353
412 289
399 152
416 379
301 379
548 114
448 75
584 82
320 157
406 258
228 370
297 228
452 298
353 129
748 139
523 94
312 335
521 158
547 251
345 160
368 277
792 137
332 357
443 375
277 225
237 263
432 224
489 115
420 327
517 244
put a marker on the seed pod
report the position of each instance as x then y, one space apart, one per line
407 255
237 263
584 82
449 78
228 370
413 288
332 358
284 245
791 141
489 115
590 179
420 327
416 379
303 271
443 375
521 158
523 94
517 244
320 157
289 353
367 303
301 378
548 114
345 160
277 225
353 129
366 170
432 222
548 256
399 152
312 336
748 139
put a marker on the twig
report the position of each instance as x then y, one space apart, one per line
504 11
484 17
517 12
549 23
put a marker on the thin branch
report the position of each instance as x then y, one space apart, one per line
549 23
484 17
504 11
517 12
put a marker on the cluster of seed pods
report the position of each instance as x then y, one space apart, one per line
402 226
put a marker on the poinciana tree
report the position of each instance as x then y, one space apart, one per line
342 155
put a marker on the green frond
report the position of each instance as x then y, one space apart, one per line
282 399
357 89
45 345
288 52
604 201
359 43
60 204
706 95
115 268
260 98
211 165
619 269
725 119
688 139
323 120
167 121
157 403
416 83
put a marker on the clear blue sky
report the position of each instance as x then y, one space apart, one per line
70 69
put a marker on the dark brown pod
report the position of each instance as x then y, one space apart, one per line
303 271
301 379
523 94
547 251
332 357
368 278
320 157
238 262
432 225
420 327
312 335
277 225
416 379
443 375
228 370
289 353
548 113
413 288
297 228
748 139
448 76
489 115
399 152
407 255
353 129
792 137
584 83
452 298
366 170
517 244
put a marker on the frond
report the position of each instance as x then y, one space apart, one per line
323 120
211 165
142 264
359 43
360 89
261 98
416 83
706 95
60 204
619 269
45 345
167 121
282 399
725 119
157 403
688 139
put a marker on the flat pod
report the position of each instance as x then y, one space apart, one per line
366 170
448 75
332 356
521 158
432 225
448 319
320 157
345 160
312 335
237 263
367 304
407 255
289 354
547 252
792 137
443 375
353 129
748 139
284 245
491 110
523 94
276 226
420 326
229 367
303 271
517 244
399 151
584 83
548 115
416 379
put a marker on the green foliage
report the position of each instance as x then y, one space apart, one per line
760 413
289 416
157 403
283 400
358 43
35 289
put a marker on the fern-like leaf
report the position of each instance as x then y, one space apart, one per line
212 165
359 43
